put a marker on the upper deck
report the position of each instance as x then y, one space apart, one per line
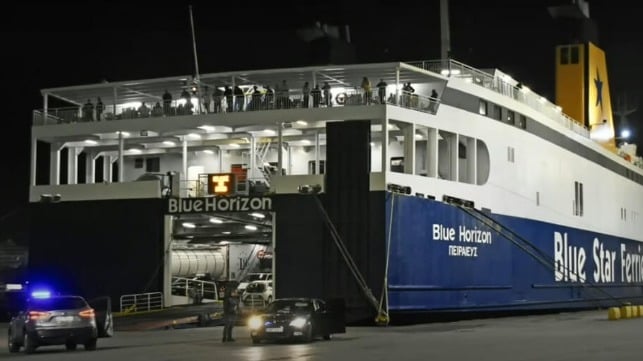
123 100
177 115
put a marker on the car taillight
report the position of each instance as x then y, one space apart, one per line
89 313
38 315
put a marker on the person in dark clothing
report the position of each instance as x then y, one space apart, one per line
327 96
255 101
230 309
99 109
228 97
381 90
167 103
239 99
269 98
316 93
88 111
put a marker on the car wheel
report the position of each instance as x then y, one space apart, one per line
327 337
70 346
29 344
90 345
13 346
256 340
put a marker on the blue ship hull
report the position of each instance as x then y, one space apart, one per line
443 258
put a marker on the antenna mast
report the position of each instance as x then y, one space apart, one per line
444 27
196 60
197 78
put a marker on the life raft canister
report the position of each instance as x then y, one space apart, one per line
340 98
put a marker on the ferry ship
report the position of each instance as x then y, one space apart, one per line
449 188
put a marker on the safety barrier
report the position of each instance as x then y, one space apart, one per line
141 302
623 312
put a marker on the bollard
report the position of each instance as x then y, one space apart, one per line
613 313
626 311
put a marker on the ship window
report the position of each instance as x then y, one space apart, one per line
521 121
510 116
578 199
510 154
537 198
574 54
564 55
497 112
466 159
482 162
153 164
447 156
623 214
397 164
483 107
312 167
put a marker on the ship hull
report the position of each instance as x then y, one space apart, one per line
445 258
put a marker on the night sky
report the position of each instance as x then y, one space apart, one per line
51 45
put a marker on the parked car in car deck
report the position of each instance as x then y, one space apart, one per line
250 277
258 294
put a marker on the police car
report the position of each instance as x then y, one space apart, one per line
48 319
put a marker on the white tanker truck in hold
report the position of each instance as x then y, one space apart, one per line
202 274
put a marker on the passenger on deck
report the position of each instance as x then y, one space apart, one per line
368 92
99 109
434 97
218 98
255 101
185 94
270 97
143 110
327 95
167 103
228 97
407 90
206 100
88 111
381 90
316 93
157 111
240 99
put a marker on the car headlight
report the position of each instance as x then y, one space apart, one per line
255 322
298 322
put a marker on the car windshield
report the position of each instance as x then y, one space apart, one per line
289 306
256 288
57 303
256 277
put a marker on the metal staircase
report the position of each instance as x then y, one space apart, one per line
261 151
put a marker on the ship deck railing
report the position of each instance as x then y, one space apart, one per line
503 85
250 102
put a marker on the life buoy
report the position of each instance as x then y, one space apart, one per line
340 98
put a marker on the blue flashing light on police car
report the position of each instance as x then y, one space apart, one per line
41 294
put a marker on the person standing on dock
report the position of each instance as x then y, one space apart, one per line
230 309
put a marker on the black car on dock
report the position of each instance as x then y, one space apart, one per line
298 319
